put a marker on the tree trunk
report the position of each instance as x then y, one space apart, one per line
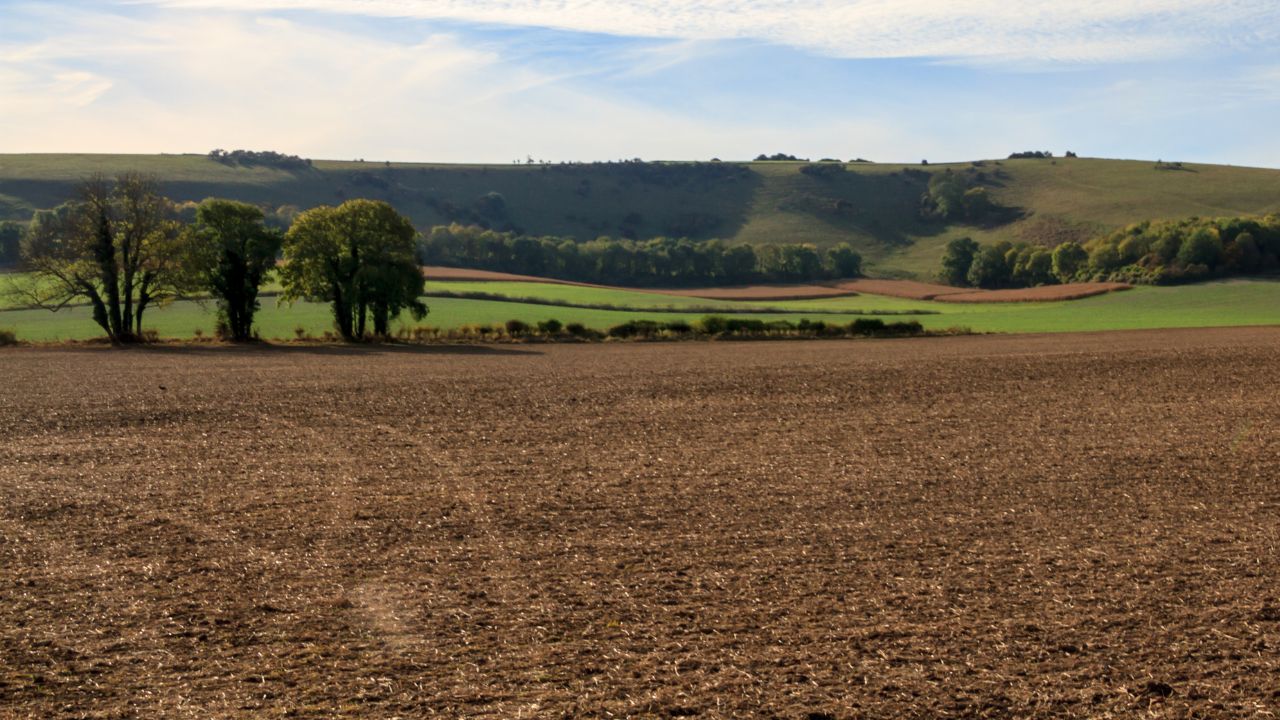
342 315
104 252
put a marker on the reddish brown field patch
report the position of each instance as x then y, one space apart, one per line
1031 526
910 289
761 292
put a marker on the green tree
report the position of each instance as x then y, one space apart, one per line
1068 259
359 257
957 258
1202 247
1104 258
843 261
115 246
977 203
232 252
738 263
10 243
945 196
990 269
1032 266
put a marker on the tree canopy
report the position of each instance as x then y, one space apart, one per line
232 252
1145 253
360 258
655 262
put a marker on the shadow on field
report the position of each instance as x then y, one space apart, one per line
335 350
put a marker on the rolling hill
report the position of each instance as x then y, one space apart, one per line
875 207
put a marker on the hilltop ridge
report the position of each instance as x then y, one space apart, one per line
875 207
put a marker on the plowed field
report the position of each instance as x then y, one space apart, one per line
1064 526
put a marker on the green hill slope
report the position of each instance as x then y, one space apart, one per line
874 207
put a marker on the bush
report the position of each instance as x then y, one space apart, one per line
713 324
517 327
576 329
866 326
634 329
811 327
8 337
907 327
550 327
678 327
780 327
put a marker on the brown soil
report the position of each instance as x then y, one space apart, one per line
1030 526
1044 293
761 292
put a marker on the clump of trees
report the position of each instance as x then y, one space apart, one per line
1185 250
359 257
658 261
1034 155
953 196
965 263
121 248
1146 253
778 157
260 158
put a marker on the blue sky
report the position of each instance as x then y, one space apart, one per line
472 80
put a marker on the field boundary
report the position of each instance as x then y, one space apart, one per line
704 309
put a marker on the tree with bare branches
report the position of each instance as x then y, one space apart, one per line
116 247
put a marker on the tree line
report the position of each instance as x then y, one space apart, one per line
655 262
120 247
1152 252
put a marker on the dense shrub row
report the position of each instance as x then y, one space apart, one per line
1146 253
660 261
709 327
1185 250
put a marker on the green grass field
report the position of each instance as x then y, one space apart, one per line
1225 303
872 206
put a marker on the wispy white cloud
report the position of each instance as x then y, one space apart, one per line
1042 30
92 78
195 80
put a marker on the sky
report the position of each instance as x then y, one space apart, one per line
564 80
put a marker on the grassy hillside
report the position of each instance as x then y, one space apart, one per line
874 207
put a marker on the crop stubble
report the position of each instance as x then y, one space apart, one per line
975 526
